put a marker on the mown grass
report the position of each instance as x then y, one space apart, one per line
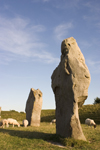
44 137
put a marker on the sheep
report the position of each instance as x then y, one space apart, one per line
25 123
13 122
53 121
4 122
90 122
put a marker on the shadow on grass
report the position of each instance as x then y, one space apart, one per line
52 138
28 134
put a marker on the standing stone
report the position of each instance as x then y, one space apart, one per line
33 107
70 82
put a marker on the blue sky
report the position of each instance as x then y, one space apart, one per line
31 32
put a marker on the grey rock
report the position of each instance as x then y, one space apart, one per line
33 107
70 82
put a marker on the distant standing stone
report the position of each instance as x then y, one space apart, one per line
33 107
70 82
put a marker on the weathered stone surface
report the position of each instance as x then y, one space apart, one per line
70 82
33 107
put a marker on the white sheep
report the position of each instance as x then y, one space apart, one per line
53 121
90 122
25 123
4 122
13 122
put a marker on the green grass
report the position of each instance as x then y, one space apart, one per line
13 114
44 137
90 111
47 115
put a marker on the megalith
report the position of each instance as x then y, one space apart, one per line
33 107
70 82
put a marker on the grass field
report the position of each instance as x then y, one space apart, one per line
44 137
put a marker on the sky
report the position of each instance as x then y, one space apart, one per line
31 32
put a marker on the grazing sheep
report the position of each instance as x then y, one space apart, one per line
53 121
13 122
4 122
90 122
25 123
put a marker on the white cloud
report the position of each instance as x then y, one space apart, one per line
97 25
85 44
40 0
20 39
93 65
93 11
93 6
91 53
66 4
62 4
62 30
45 0
46 57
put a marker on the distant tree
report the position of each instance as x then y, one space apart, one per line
97 100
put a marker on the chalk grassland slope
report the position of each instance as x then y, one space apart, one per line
86 111
46 115
13 114
90 111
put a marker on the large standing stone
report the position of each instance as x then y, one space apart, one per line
33 107
70 82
